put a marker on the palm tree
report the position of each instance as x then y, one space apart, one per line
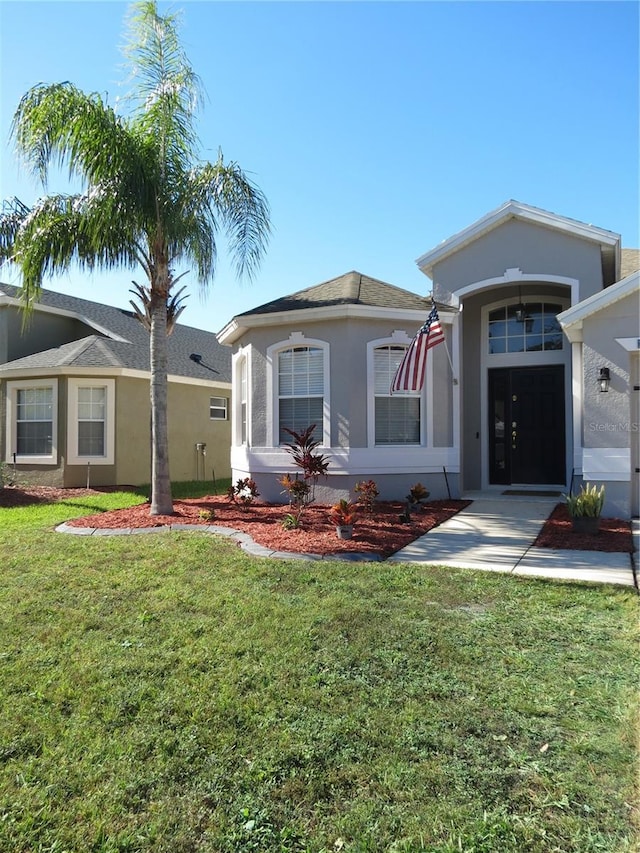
146 199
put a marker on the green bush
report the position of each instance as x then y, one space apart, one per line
588 502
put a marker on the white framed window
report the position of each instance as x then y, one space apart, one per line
91 421
396 417
218 408
299 381
32 421
300 389
243 400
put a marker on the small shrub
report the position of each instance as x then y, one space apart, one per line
588 502
417 493
244 492
206 514
291 521
343 513
368 492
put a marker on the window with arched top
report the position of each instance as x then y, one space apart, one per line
300 390
397 416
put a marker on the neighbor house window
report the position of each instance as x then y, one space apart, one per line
91 422
397 416
530 327
32 421
218 408
300 390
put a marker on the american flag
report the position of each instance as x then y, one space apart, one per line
410 374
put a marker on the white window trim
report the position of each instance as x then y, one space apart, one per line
73 457
397 338
12 394
296 339
237 359
224 407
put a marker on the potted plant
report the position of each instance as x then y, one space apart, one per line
343 515
585 508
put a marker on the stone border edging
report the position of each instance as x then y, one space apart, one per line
246 542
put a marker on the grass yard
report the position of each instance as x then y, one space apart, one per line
168 693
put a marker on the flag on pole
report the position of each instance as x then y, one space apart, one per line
410 374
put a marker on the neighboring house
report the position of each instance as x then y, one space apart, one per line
531 304
74 395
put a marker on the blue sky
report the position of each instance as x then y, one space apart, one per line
376 129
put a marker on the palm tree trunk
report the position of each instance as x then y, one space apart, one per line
161 502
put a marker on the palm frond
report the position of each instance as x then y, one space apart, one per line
226 192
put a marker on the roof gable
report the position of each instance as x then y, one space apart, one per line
608 240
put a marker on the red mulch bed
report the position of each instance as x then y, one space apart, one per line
383 534
614 534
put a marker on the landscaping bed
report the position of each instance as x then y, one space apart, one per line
381 534
614 534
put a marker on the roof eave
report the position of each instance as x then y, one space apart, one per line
237 327
573 317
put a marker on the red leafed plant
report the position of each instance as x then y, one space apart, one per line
343 513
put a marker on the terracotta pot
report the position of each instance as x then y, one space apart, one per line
585 524
344 531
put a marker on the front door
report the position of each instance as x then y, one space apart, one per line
527 425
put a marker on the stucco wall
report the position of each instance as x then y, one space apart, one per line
189 422
607 416
347 339
611 421
43 331
528 247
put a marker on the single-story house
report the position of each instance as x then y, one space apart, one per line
533 306
74 395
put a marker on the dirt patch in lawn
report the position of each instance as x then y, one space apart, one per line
614 534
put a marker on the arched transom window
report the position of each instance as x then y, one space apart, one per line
525 327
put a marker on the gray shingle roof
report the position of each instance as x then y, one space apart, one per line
130 349
352 288
629 262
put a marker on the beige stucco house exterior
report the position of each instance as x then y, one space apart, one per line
74 395
533 305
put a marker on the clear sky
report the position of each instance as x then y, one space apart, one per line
375 129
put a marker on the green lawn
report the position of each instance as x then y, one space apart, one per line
169 693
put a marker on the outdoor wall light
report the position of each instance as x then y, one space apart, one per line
604 378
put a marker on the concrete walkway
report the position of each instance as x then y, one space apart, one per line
496 533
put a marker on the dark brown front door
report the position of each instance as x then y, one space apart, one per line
527 425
